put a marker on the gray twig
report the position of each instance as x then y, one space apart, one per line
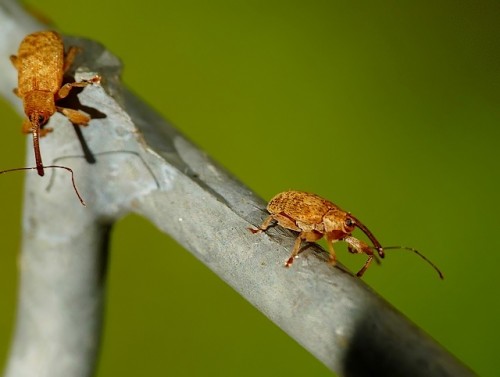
137 162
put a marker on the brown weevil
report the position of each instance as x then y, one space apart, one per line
314 217
41 64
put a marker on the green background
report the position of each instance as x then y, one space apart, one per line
389 110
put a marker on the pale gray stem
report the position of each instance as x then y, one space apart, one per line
146 166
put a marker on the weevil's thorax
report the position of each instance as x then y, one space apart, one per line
39 106
337 221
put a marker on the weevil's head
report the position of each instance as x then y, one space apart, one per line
341 224
39 106
338 222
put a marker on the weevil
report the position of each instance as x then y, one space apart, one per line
314 217
41 64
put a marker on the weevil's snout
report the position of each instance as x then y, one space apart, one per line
365 230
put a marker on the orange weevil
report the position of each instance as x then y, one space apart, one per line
314 217
41 64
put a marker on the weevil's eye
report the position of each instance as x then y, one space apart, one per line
349 225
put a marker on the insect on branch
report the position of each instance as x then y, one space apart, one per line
41 63
314 217
205 209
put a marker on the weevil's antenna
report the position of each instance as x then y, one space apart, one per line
51 167
418 253
376 245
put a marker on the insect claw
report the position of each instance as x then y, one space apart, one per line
289 262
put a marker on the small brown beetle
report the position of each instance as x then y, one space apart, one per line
41 64
315 217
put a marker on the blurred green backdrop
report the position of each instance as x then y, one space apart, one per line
389 110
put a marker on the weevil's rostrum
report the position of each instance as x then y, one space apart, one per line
314 217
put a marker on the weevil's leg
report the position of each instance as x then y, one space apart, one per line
263 227
70 57
295 250
28 129
365 266
16 92
14 60
286 222
74 116
45 131
352 250
356 246
66 88
360 247
333 257
311 236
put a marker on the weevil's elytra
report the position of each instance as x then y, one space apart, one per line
41 63
314 217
